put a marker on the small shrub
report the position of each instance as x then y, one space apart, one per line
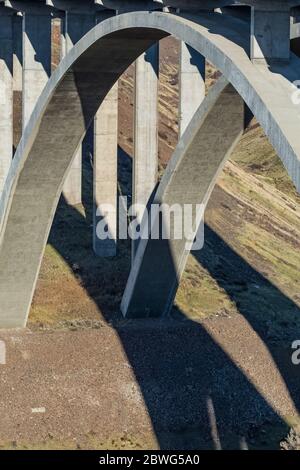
292 441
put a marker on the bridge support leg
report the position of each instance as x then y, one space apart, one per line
105 175
191 84
36 59
145 131
17 77
17 53
189 179
270 32
105 187
6 95
76 26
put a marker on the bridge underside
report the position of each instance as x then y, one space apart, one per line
70 101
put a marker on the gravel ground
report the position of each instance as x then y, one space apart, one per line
145 384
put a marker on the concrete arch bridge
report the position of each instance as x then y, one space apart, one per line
249 45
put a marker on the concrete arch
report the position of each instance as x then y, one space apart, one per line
70 101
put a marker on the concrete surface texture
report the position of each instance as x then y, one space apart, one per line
6 94
105 187
71 99
36 59
76 25
192 84
106 173
145 166
270 34
17 54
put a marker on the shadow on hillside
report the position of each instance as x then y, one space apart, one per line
195 395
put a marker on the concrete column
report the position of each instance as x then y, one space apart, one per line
17 78
270 32
145 130
6 95
63 41
76 26
191 88
106 174
106 170
192 84
17 53
36 59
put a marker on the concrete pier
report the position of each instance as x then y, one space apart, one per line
145 131
191 84
17 78
17 53
36 58
76 25
6 93
106 175
270 32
